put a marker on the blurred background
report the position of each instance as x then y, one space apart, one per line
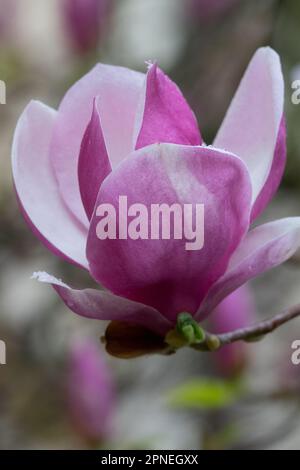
59 389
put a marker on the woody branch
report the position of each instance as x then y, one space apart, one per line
254 332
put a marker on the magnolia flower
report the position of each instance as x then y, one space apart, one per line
120 132
90 391
85 21
237 310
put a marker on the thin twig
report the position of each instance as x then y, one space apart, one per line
251 333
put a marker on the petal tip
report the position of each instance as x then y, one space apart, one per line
42 276
270 56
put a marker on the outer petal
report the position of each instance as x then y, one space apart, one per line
263 248
275 174
93 164
101 305
162 273
164 116
251 125
118 89
37 189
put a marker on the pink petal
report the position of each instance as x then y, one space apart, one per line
263 248
251 125
101 305
275 174
165 115
118 89
162 273
93 164
37 189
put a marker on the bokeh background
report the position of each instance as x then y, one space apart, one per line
58 377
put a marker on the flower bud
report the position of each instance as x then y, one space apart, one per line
90 392
85 21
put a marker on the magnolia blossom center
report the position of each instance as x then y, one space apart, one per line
159 222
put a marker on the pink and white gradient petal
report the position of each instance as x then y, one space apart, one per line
102 305
263 248
273 181
37 188
251 126
118 90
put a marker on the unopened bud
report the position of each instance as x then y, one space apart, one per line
190 329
